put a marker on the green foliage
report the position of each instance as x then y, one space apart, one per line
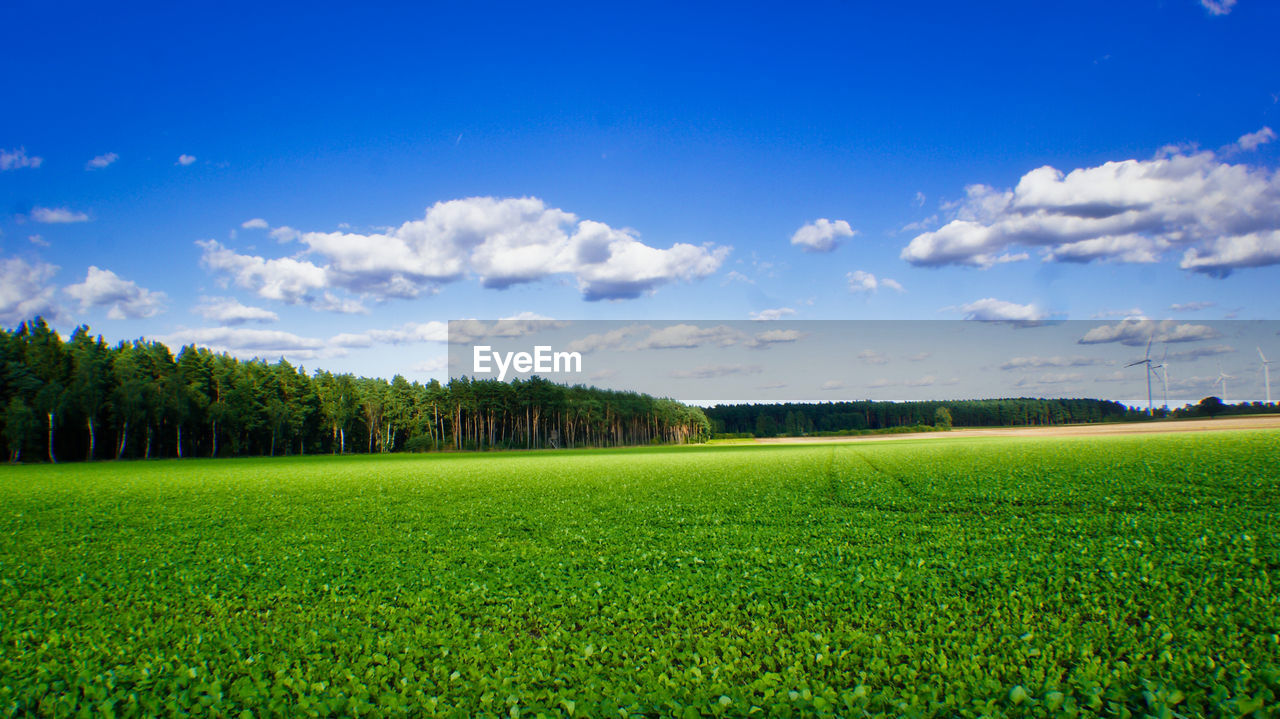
1129 576
149 403
942 418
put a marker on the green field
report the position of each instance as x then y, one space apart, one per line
914 578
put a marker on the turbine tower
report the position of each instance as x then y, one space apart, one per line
1222 380
1164 374
1146 361
1266 373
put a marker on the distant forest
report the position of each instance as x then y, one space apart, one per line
796 419
82 399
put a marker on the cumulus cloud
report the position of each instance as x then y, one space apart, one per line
1218 7
685 336
1221 216
1191 306
1050 379
286 279
101 161
1132 312
1138 332
773 314
17 158
1036 362
990 309
123 298
1253 140
252 343
230 311
1199 352
860 281
412 332
832 384
822 235
773 337
873 357
57 215
25 292
713 371
502 242
185 160
256 223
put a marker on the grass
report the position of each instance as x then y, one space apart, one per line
968 577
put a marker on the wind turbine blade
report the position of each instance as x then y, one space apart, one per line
1262 356
1149 341
1135 364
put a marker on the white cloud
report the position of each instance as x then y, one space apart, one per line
38 240
434 366
330 302
685 336
24 292
925 381
17 158
1198 352
1131 313
1136 333
1227 254
873 357
433 331
1221 216
1253 140
920 199
1191 306
124 298
503 242
773 314
101 161
990 309
1050 378
250 343
832 384
1218 7
256 223
860 281
1036 362
57 215
285 279
230 311
185 160
822 235
773 337
713 371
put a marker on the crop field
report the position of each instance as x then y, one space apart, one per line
1060 577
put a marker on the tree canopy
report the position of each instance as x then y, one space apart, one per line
83 399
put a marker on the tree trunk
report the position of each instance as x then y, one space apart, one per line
124 439
52 457
214 435
273 443
179 440
147 453
342 443
91 440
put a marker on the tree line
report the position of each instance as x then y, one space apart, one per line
794 419
84 399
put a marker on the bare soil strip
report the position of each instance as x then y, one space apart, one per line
1266 421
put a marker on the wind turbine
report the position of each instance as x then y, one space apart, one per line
1266 373
1164 374
1146 361
1222 380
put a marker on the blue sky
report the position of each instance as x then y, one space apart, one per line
629 163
